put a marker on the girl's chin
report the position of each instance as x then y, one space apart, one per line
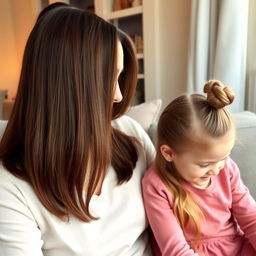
203 182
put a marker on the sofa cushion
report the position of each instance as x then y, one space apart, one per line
3 124
146 113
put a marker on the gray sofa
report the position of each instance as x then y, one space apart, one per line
244 151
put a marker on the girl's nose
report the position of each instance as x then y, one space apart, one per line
215 169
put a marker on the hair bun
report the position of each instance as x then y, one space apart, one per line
218 95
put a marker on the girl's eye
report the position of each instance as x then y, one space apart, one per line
203 165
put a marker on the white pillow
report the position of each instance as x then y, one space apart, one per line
146 113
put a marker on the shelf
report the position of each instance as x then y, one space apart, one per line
140 55
140 76
123 13
129 20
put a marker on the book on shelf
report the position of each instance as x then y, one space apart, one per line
138 42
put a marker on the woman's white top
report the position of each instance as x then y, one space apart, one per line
27 228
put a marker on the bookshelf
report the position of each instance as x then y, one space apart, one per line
137 23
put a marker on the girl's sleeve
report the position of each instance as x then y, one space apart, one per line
166 229
243 204
19 234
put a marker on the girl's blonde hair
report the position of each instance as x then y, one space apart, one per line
182 123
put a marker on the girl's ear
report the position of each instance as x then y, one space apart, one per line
167 152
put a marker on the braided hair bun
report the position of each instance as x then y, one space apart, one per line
218 95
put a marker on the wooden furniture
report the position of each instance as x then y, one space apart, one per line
7 109
140 23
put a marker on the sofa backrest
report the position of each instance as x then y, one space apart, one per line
244 152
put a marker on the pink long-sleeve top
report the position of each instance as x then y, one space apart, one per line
225 202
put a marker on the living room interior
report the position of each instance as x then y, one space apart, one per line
174 56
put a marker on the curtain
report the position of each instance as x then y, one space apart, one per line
217 46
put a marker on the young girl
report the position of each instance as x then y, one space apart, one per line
194 198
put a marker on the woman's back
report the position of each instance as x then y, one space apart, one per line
120 229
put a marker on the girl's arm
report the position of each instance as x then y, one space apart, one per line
19 234
165 227
243 205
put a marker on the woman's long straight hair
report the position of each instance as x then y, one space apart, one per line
59 137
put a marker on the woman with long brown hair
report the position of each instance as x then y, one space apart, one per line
71 164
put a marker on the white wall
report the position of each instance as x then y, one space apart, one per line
16 21
8 53
251 53
24 16
174 32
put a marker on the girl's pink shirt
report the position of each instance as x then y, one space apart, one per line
225 202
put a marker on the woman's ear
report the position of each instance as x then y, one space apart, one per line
166 152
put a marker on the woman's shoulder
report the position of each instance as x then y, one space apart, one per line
127 125
10 186
132 128
7 177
